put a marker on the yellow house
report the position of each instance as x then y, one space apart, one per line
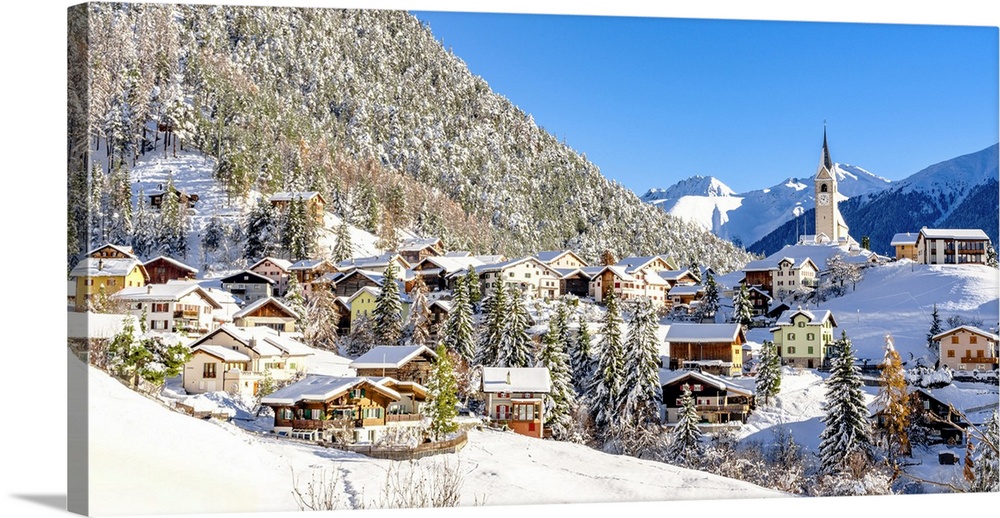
362 305
100 276
802 337
905 244
968 348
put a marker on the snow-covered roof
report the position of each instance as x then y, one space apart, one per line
105 267
675 275
283 264
168 291
390 356
171 261
495 267
516 379
618 271
449 264
549 256
247 276
490 259
458 253
264 340
670 377
815 317
565 273
374 292
703 333
257 304
126 250
225 354
904 238
291 195
375 261
443 304
632 264
315 387
309 264
419 243
972 329
953 233
686 289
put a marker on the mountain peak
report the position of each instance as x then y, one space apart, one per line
693 186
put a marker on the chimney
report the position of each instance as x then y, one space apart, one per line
100 265
149 289
508 377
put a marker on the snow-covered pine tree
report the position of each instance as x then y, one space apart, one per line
143 357
516 344
442 396
144 229
685 438
641 366
261 231
295 298
322 319
561 400
418 326
342 249
606 387
295 240
174 223
710 302
892 404
119 206
768 373
986 466
491 338
582 359
472 285
743 307
935 330
459 335
848 432
361 338
386 324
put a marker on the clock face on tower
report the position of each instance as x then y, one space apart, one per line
823 198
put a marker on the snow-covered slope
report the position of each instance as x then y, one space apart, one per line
746 217
200 466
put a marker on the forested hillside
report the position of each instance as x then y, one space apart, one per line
365 107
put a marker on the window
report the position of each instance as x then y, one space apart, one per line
802 324
951 353
810 349
954 339
791 350
810 336
791 336
208 370
696 387
527 275
972 339
511 274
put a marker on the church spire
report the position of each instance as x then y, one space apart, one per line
827 162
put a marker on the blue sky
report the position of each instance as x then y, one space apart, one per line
653 100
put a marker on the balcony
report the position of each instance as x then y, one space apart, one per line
403 418
191 314
723 408
980 360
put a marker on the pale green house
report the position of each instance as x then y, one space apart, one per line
802 337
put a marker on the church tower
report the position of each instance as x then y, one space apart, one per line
829 222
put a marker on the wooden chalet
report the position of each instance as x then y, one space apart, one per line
941 418
269 312
411 363
417 249
314 202
308 271
717 401
162 269
184 199
515 398
249 286
720 344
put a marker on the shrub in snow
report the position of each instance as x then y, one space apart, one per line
926 377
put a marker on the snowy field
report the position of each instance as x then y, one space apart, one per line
145 457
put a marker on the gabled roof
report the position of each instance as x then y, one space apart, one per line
223 353
458 253
617 271
376 261
283 264
390 356
448 264
251 277
168 291
675 275
565 273
171 261
264 340
309 264
550 256
798 264
904 238
403 297
259 303
816 317
420 243
445 305
953 233
694 333
637 263
490 259
291 195
671 377
107 267
123 249
315 387
970 329
495 267
516 379
686 289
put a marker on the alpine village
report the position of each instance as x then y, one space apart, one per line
384 261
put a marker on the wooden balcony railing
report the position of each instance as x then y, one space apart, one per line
979 359
723 408
403 418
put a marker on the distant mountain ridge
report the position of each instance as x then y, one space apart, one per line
746 218
963 192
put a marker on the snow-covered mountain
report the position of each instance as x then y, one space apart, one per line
957 193
745 218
